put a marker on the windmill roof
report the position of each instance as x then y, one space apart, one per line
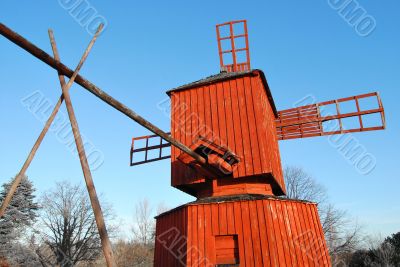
234 198
224 76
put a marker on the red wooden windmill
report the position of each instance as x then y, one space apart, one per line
224 131
230 119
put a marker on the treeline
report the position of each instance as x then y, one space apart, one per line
58 229
386 254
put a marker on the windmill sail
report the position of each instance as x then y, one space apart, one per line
320 119
149 146
328 118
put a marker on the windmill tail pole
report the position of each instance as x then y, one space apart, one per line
64 70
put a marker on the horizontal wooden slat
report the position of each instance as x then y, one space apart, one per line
149 160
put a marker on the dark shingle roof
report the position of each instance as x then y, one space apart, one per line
234 198
223 76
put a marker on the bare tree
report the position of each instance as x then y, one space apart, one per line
69 234
341 234
384 255
161 208
134 254
139 251
144 225
380 253
301 185
144 228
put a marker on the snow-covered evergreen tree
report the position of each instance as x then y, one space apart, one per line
20 214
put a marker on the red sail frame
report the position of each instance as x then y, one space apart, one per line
301 122
238 63
308 121
147 147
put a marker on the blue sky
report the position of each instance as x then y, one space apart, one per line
304 47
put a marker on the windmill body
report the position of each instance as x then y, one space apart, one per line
239 218
235 111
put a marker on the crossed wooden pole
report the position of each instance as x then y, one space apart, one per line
105 241
63 70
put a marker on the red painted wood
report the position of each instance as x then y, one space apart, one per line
201 235
215 115
256 158
237 128
248 243
272 242
278 234
306 246
194 245
294 233
244 122
255 232
189 237
289 250
209 243
223 224
270 232
229 121
239 229
229 218
263 234
306 121
323 252
226 249
215 219
237 114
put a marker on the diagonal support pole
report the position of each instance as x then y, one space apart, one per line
105 241
38 142
32 153
55 64
30 157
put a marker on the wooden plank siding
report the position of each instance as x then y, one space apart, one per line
172 234
235 113
268 232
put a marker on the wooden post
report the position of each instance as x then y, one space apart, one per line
29 159
105 242
60 67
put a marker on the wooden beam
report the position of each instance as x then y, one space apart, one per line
63 69
98 214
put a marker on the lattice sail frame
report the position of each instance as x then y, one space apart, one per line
148 148
301 122
308 121
237 64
